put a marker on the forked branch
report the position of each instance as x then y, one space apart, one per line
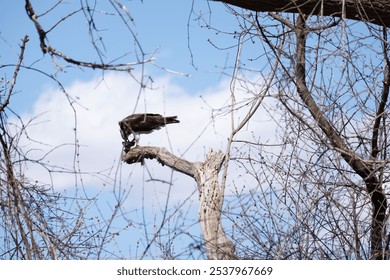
364 168
46 48
218 246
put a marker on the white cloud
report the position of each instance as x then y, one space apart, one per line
103 103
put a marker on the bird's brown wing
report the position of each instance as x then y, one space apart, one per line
144 123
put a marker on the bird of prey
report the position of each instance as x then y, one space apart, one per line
145 123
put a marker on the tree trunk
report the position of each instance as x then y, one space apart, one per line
365 169
376 12
218 246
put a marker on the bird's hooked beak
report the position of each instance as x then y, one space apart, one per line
128 145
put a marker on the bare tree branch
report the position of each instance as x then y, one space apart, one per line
383 101
364 168
42 34
16 72
139 154
218 246
369 11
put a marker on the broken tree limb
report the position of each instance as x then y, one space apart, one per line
218 246
139 154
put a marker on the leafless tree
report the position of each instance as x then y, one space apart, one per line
38 221
321 193
315 191
319 190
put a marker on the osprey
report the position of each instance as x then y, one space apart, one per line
137 124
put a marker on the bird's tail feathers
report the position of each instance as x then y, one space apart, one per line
172 119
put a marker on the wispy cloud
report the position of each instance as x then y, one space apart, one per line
204 124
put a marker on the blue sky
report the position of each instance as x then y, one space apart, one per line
160 26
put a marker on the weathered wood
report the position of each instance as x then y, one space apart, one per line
218 246
162 155
376 12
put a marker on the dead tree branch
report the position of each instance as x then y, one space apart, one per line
218 246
